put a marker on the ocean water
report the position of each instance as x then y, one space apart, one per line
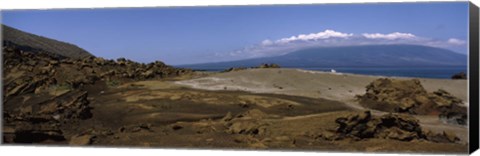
419 72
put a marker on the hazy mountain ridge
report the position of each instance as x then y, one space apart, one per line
36 43
355 56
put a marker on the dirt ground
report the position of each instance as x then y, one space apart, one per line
171 114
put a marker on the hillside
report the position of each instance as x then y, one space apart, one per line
355 56
35 43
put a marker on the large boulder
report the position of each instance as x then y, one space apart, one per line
389 126
461 75
409 96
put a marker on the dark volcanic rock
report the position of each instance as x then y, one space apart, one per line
45 92
27 72
26 132
272 65
389 126
461 75
409 96
41 121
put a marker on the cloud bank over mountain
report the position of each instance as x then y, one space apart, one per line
330 38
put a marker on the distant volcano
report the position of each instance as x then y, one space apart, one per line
355 56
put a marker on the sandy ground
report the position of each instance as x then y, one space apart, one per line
274 109
333 86
315 84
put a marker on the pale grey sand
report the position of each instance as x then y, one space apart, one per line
334 86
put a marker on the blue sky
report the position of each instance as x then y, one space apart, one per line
184 35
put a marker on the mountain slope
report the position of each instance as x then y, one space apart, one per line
355 56
37 43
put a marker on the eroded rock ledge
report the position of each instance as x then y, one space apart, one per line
409 96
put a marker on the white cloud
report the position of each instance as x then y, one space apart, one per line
455 41
267 42
314 36
391 36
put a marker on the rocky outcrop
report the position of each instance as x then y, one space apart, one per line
27 72
409 96
271 65
389 126
461 75
41 121
248 123
28 132
45 92
235 69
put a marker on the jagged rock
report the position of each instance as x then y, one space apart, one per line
159 64
227 117
26 86
445 137
461 75
272 65
443 98
71 105
26 132
121 61
136 128
450 136
17 90
249 122
29 75
108 73
99 61
409 96
38 122
148 74
249 127
389 126
454 114
81 140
